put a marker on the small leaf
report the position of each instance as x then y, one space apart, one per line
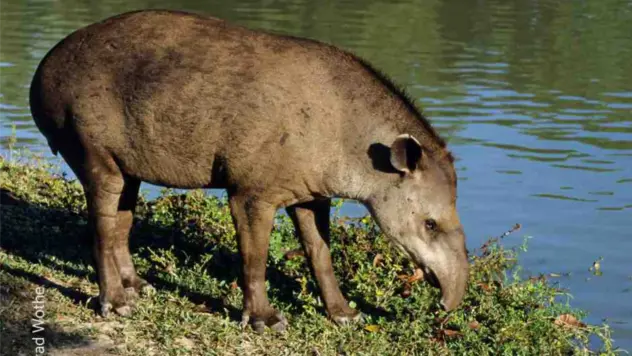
61 318
201 308
418 275
473 325
406 291
294 254
448 333
378 260
596 266
372 328
485 287
568 320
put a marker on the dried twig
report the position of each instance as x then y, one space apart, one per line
508 232
484 247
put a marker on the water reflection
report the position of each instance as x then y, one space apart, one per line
535 97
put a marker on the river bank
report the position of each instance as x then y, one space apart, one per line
184 245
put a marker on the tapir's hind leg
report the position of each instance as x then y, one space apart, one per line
103 185
132 283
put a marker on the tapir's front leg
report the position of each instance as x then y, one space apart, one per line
311 221
253 220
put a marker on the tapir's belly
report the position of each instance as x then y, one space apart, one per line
172 165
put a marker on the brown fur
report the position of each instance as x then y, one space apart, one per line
189 101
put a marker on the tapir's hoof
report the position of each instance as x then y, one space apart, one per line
124 310
280 325
348 318
131 294
143 289
275 322
147 290
107 308
140 286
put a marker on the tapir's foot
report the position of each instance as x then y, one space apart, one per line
116 303
272 319
137 287
123 310
131 295
345 316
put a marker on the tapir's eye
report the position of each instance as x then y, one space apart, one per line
431 225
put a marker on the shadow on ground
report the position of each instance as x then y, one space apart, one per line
22 332
27 232
58 239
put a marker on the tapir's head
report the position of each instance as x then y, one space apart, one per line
416 209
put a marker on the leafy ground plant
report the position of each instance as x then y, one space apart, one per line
184 245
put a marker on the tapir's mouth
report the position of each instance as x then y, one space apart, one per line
431 277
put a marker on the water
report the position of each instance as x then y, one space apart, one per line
535 97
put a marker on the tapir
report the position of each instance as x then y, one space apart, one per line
189 101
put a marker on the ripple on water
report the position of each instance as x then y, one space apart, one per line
563 197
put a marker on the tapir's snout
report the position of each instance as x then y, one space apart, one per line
453 293
452 289
449 271
454 285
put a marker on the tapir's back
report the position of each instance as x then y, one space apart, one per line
171 94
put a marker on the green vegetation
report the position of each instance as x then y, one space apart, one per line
184 245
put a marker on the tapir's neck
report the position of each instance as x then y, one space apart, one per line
373 114
365 166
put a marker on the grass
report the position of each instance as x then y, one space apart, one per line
184 245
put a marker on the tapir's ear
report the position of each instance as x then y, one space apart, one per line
406 153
